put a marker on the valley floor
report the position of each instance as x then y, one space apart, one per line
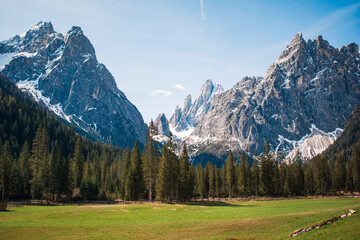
205 220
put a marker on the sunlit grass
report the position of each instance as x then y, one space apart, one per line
239 220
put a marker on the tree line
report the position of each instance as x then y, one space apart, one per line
155 173
41 158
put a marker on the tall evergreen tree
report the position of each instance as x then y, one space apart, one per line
78 163
6 161
255 176
210 170
298 177
151 159
339 176
308 178
243 176
186 178
25 170
163 184
230 173
356 166
126 161
349 184
39 160
134 185
267 172
321 175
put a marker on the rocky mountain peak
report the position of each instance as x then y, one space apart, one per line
162 124
298 40
187 104
63 73
192 113
306 95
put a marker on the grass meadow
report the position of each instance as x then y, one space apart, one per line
201 220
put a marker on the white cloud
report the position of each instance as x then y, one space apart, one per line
202 10
179 86
160 92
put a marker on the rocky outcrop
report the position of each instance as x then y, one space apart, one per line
63 73
162 125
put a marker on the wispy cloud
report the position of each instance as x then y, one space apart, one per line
202 10
160 92
179 86
330 20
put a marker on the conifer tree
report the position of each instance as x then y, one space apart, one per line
186 178
349 184
211 179
163 184
151 159
255 176
134 185
25 170
321 175
267 171
298 177
308 178
339 176
6 161
243 177
39 160
356 166
78 163
230 173
126 161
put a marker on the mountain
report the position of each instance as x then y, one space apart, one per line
186 119
62 72
162 124
306 95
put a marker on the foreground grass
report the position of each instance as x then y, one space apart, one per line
238 220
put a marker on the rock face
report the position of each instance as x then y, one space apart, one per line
162 125
311 88
63 73
192 113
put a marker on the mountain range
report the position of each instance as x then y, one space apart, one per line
62 72
300 106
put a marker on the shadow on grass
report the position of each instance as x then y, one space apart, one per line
215 204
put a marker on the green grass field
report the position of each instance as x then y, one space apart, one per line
237 220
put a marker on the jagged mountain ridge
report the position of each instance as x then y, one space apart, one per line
311 86
191 114
63 73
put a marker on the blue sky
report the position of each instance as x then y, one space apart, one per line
160 51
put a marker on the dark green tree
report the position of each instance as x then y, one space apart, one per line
39 161
78 163
230 173
339 176
163 183
151 159
267 171
125 163
186 178
255 176
6 162
25 168
134 185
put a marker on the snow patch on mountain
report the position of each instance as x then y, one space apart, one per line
5 59
309 145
